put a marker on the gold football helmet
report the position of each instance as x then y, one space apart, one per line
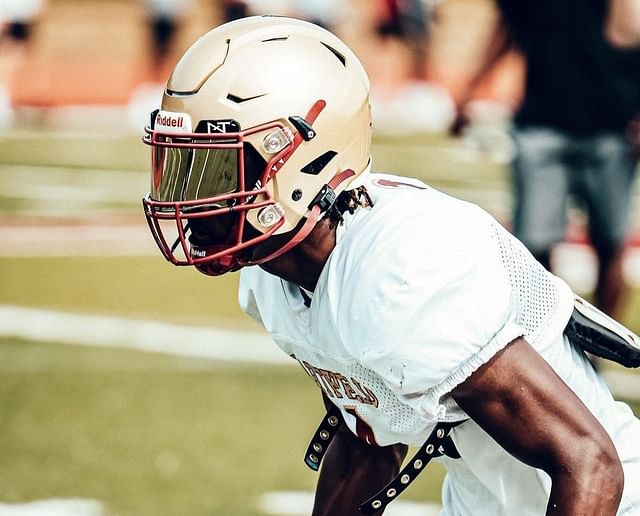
263 122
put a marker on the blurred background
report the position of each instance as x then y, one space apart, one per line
131 387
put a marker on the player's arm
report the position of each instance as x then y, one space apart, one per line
351 471
498 45
622 27
521 402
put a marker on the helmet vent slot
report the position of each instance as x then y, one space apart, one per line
240 100
340 57
315 167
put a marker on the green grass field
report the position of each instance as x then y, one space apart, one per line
152 435
145 433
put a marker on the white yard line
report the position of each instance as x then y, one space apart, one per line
54 507
142 335
77 240
575 263
173 339
276 503
300 503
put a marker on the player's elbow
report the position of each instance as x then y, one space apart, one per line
607 468
596 467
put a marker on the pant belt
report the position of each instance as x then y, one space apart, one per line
409 473
326 432
323 436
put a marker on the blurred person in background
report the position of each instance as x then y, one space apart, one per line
326 13
233 9
164 18
420 318
407 20
17 18
572 128
404 98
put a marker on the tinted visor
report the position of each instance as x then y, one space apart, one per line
188 173
207 170
204 183
193 173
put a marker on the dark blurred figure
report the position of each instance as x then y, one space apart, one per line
572 129
164 18
163 28
234 10
17 18
18 30
408 21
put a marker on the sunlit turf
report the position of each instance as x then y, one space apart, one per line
51 148
442 162
150 435
138 287
143 287
127 152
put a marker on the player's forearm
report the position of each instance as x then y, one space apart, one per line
593 484
623 23
341 497
351 472
342 492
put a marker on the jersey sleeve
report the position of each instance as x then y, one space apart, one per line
430 309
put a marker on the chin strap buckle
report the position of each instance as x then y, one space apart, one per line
324 199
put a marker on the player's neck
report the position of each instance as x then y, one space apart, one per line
304 263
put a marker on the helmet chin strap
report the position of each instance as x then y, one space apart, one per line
312 219
316 208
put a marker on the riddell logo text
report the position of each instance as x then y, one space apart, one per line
169 121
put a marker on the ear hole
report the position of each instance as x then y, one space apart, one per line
315 167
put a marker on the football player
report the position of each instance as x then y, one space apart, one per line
422 321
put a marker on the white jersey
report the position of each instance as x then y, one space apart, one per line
420 291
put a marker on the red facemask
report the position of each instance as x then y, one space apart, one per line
203 183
